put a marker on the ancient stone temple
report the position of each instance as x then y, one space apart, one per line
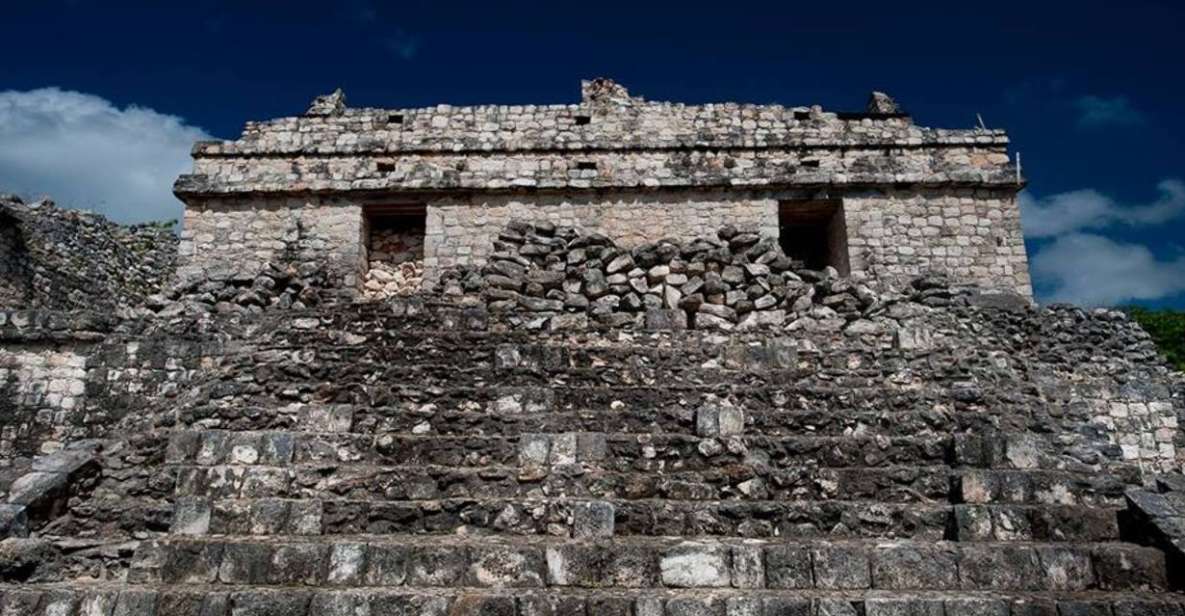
610 359
866 192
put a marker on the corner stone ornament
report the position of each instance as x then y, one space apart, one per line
333 104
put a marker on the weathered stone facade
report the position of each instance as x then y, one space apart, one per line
621 399
58 258
914 199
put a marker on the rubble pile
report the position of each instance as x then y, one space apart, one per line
232 291
738 279
396 263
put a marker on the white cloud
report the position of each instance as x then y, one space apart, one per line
84 152
1096 111
1093 270
1089 209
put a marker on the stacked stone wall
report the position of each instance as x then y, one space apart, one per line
72 376
972 235
14 275
691 168
246 234
395 256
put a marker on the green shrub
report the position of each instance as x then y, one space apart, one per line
1167 328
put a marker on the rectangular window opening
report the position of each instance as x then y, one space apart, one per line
813 232
386 167
395 118
802 115
583 120
586 165
394 250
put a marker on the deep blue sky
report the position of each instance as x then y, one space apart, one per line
1029 67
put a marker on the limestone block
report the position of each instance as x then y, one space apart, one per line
592 519
906 567
839 568
506 567
386 565
788 567
440 566
695 565
245 563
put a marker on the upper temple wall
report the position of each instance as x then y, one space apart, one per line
914 199
607 140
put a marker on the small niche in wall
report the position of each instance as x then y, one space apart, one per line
802 115
586 165
583 120
395 118
386 167
814 232
394 236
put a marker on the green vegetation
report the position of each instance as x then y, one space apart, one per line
1167 328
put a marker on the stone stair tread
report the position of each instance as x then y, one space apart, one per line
634 540
526 516
893 484
91 587
283 447
539 499
671 563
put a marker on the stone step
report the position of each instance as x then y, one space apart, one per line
1036 486
517 413
215 600
1036 523
622 452
813 394
741 481
340 379
563 517
367 561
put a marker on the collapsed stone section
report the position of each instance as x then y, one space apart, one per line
67 259
247 289
737 279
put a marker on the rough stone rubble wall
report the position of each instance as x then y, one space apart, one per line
77 260
14 278
395 256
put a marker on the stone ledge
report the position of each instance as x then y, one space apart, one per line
40 493
1158 518
37 325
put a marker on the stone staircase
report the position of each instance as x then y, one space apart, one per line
429 464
